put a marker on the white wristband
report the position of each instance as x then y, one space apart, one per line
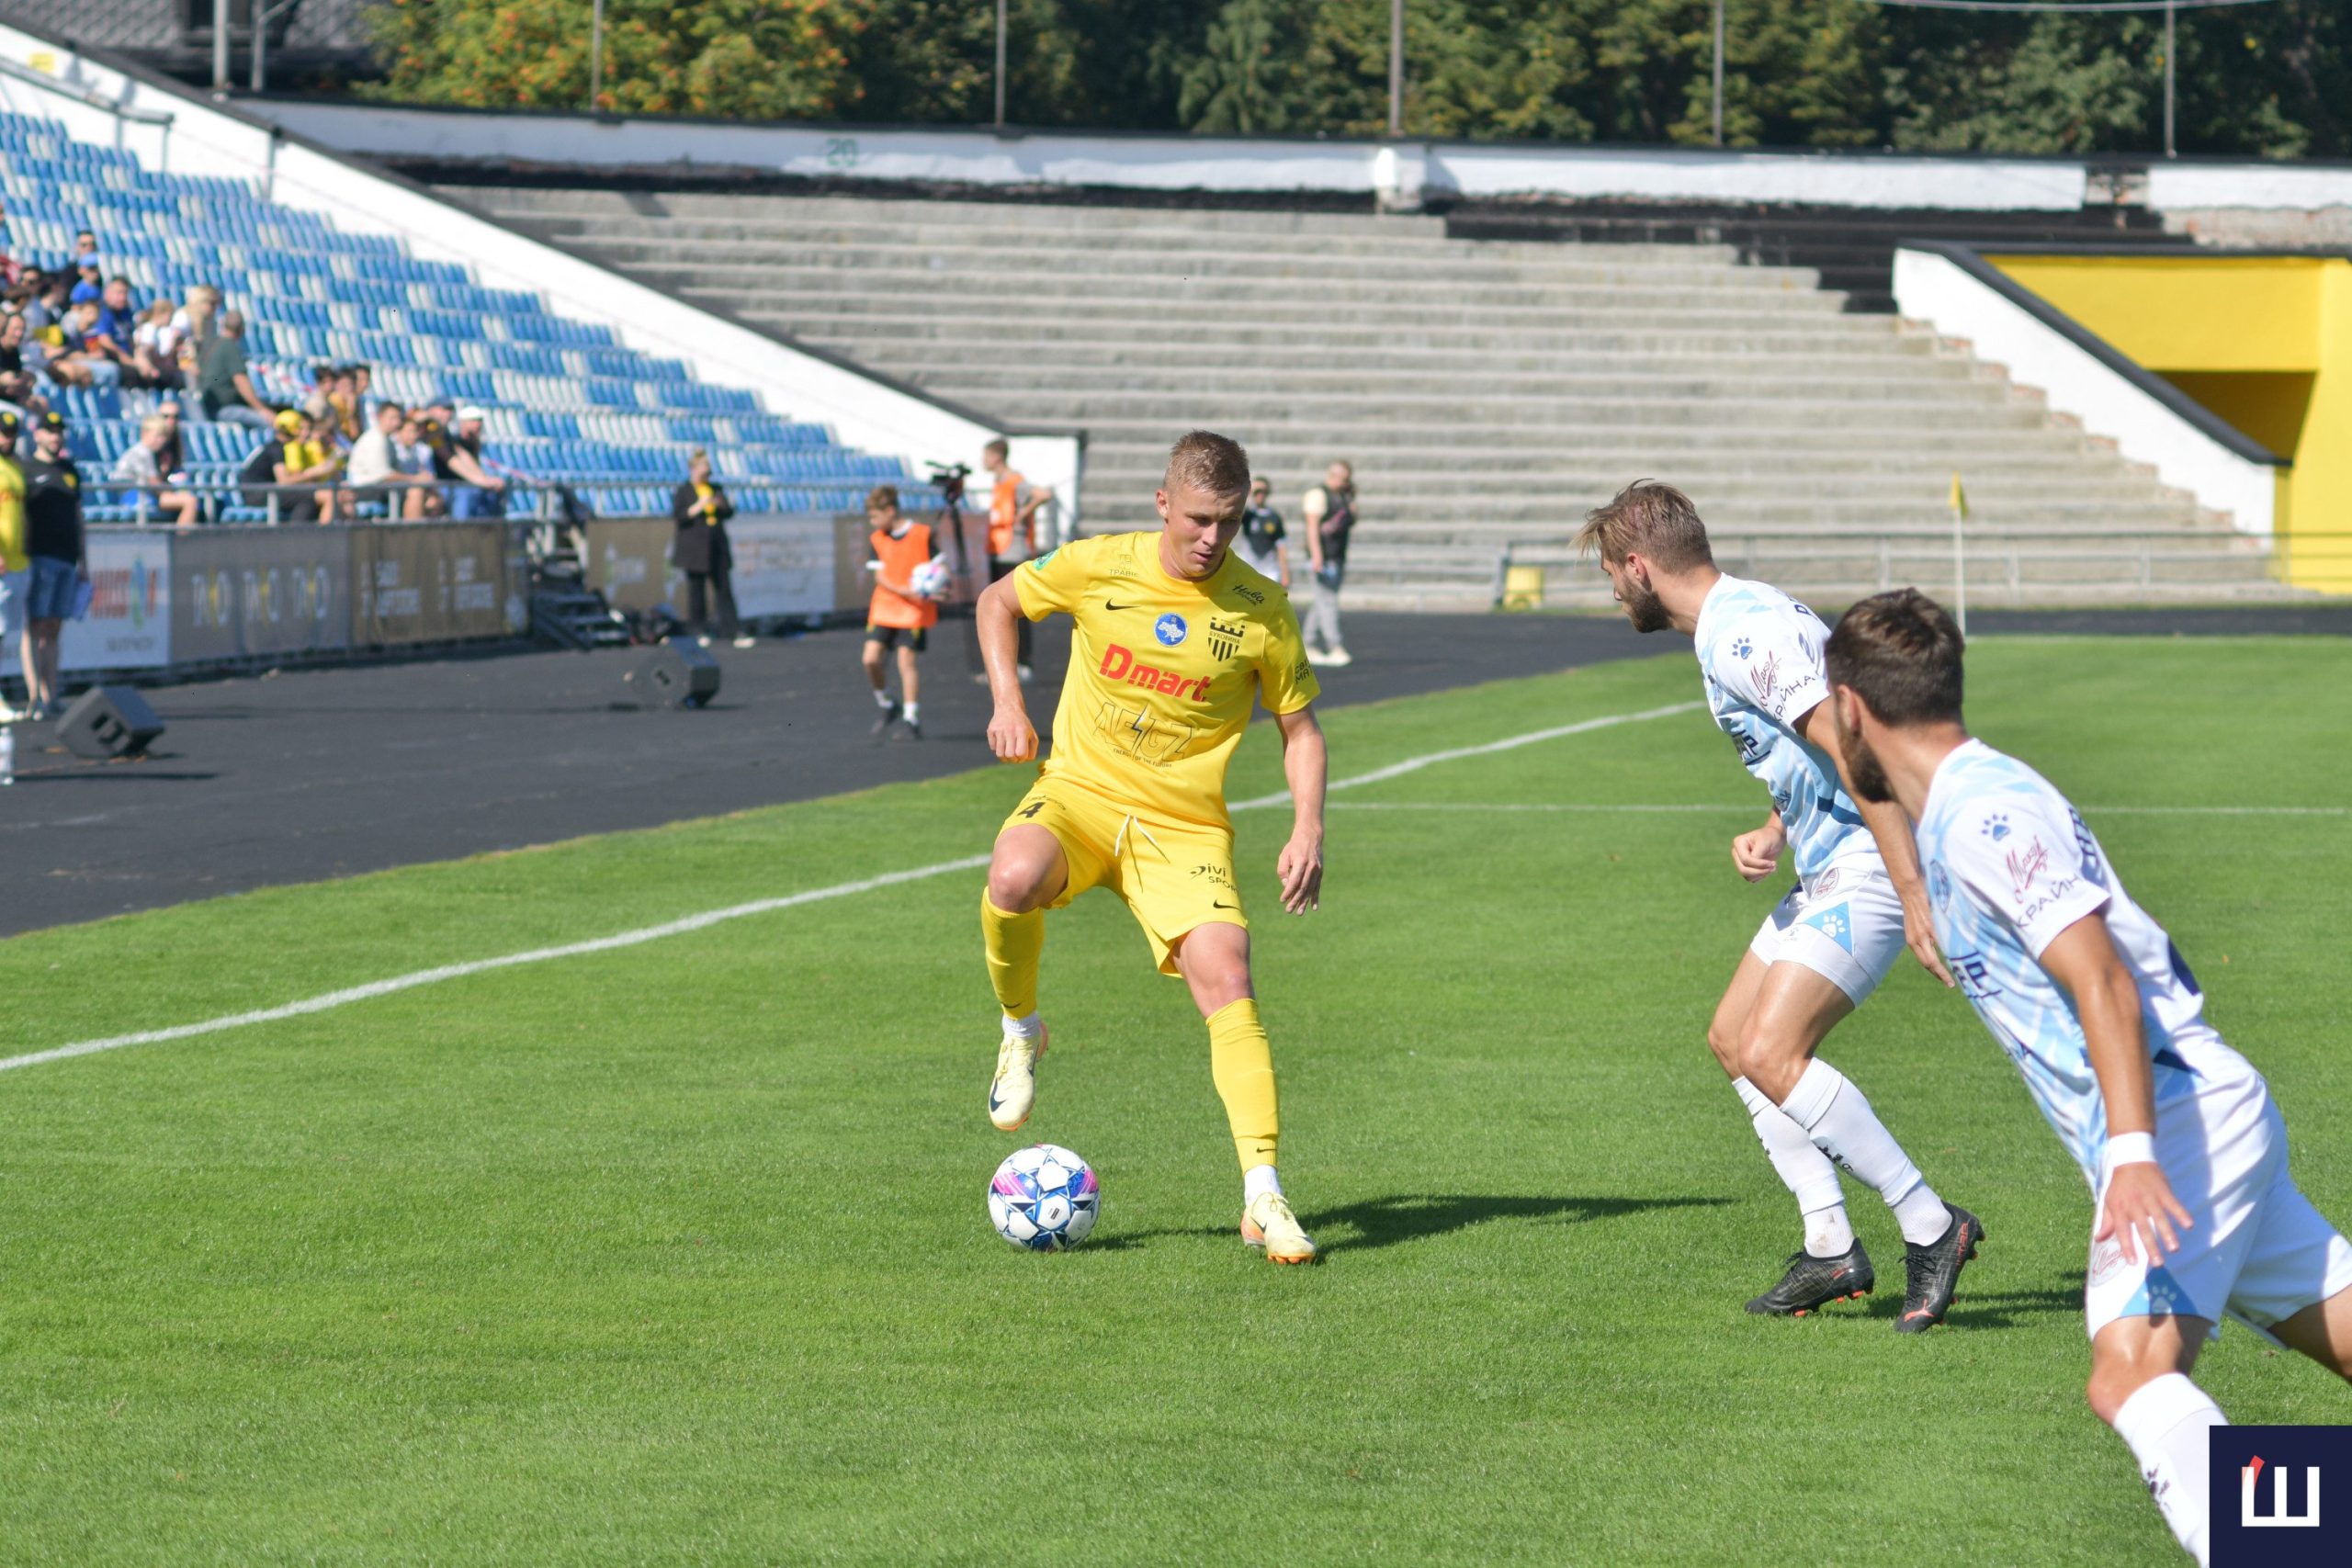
2129 1148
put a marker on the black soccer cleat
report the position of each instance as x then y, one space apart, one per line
1932 1272
909 729
1813 1283
889 717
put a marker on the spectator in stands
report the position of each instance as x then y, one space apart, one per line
1330 514
197 323
46 309
318 453
85 250
60 558
224 386
90 282
275 463
410 455
1260 543
158 337
81 359
379 477
700 509
10 268
142 466
480 491
173 456
343 397
1013 503
117 337
16 372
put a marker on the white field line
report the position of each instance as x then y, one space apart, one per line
1632 807
374 988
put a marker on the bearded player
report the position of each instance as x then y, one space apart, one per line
2176 1131
1172 640
1831 942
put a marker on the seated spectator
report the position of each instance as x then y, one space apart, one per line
47 307
17 371
115 335
85 250
80 360
224 388
412 455
90 284
482 492
319 454
141 467
10 268
197 322
158 334
384 474
174 456
271 464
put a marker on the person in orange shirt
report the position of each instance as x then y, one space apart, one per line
898 616
1014 504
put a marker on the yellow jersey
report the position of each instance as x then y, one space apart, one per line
1163 671
12 516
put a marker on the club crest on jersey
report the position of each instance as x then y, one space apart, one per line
1224 637
1169 630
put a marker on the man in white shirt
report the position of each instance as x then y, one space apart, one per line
139 468
384 471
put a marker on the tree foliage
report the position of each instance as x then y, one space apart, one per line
2271 79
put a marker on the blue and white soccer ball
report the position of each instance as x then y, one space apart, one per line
930 579
1044 1197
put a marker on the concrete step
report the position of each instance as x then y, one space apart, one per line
1437 269
1375 343
1491 526
770 287
987 380
1646 448
1977 407
2057 477
1435 324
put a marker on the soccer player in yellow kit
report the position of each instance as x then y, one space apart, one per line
1172 640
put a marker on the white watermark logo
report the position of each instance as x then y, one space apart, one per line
2278 1517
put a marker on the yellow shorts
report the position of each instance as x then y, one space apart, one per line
1174 877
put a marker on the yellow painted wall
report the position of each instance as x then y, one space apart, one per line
2264 342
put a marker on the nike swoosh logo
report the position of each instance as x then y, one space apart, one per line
1215 905
1108 605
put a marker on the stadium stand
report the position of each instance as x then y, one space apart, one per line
1487 390
566 402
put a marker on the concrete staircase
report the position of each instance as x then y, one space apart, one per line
1487 391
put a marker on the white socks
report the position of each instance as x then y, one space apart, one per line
1028 1028
1256 1179
2165 1424
1804 1169
881 698
1840 1121
914 711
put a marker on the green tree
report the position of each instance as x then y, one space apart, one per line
748 59
1241 83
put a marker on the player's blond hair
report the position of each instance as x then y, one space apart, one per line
1649 519
1208 461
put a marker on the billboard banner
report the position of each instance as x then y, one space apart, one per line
238 593
628 561
784 566
434 582
129 623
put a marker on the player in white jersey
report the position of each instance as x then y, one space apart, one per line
2176 1131
1826 946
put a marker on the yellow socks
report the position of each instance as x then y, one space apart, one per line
1243 1065
1014 944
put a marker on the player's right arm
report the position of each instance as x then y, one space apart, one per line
1755 852
997 615
2139 1207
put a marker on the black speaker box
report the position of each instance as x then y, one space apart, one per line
676 673
108 721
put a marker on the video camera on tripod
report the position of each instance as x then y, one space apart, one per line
949 477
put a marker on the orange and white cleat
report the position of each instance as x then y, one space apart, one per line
1267 1223
1012 1093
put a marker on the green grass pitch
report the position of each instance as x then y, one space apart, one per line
679 1253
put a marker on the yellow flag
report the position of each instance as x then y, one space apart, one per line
1959 496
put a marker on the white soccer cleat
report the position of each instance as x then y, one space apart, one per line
1267 1223
1012 1093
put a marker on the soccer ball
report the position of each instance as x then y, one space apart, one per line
1044 1197
930 579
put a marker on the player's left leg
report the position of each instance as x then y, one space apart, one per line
910 690
877 648
2139 1386
1829 961
1214 959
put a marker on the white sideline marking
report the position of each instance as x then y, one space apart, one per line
375 988
1749 806
1415 765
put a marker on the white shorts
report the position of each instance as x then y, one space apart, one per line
1846 928
2257 1251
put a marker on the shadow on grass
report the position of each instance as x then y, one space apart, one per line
1405 1217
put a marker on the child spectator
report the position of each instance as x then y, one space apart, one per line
141 467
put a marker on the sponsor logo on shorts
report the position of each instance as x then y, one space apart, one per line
1119 664
1169 630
